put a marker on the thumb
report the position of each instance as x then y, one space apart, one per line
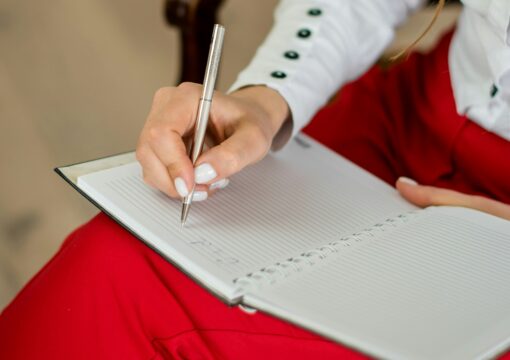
428 195
423 196
247 145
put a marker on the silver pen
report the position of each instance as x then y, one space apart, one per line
211 72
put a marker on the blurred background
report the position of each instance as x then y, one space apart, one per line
77 79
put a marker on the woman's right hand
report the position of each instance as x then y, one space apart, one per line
241 126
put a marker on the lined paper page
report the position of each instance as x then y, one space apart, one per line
434 288
290 202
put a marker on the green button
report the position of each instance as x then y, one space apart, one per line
494 90
278 74
291 55
304 33
315 12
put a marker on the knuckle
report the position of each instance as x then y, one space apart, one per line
161 93
231 160
187 86
261 142
154 133
141 154
160 133
260 135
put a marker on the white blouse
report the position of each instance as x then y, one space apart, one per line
316 46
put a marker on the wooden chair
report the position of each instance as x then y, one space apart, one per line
195 20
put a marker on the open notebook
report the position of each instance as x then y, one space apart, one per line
311 238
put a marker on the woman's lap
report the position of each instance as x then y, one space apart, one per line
107 295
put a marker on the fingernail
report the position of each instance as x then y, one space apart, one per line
180 186
204 173
407 180
200 195
220 184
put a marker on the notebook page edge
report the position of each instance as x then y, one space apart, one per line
71 172
265 306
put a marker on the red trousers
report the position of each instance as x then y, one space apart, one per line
105 295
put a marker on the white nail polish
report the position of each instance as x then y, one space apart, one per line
180 186
199 195
204 173
220 184
407 180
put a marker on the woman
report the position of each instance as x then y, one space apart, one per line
440 118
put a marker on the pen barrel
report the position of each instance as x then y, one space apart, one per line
204 106
213 61
200 130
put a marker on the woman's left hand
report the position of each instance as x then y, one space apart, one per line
423 196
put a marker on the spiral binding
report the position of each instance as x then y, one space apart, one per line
270 274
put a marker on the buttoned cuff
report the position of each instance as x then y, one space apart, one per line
282 63
315 47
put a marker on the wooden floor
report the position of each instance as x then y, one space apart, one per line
77 78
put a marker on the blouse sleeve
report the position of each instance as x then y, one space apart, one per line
497 12
316 46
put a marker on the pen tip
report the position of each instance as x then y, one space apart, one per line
184 214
